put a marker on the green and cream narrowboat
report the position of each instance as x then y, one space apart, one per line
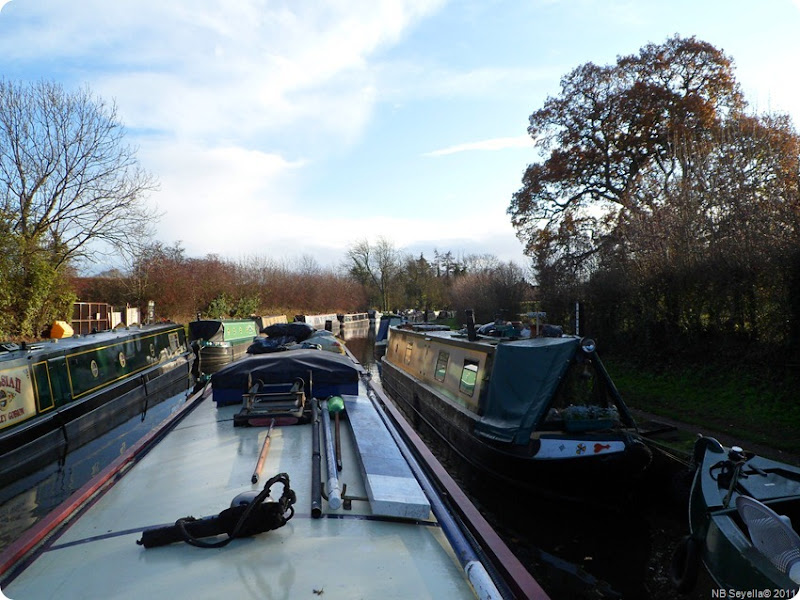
541 414
58 395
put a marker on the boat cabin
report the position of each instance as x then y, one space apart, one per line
513 386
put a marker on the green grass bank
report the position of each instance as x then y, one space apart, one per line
754 407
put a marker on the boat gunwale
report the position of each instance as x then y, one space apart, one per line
515 575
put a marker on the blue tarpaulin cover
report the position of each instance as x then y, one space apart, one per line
524 378
331 373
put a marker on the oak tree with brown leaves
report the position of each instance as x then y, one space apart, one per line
659 197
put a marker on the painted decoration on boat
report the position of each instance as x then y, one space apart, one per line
17 401
561 448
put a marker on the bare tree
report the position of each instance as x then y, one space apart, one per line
67 184
67 179
375 266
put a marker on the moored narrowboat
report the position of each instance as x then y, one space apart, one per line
354 325
540 414
386 321
58 395
328 322
218 342
743 516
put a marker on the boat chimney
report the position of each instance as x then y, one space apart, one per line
471 335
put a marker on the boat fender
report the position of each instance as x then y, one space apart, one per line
243 519
685 564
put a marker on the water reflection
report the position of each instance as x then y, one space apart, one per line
362 348
28 500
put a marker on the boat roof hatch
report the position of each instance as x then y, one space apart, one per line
524 379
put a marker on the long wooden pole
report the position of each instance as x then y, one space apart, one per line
262 455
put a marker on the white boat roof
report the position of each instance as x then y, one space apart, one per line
197 469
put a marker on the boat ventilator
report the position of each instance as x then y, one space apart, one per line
240 520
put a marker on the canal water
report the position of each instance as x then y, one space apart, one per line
575 552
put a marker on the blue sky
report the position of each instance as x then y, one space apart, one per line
291 129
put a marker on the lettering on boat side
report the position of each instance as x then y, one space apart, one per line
16 396
7 381
14 414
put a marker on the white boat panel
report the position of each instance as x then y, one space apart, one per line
392 488
197 470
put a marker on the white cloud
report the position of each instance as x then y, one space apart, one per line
520 141
215 195
211 67
402 81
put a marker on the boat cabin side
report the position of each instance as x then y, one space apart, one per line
455 366
223 332
44 377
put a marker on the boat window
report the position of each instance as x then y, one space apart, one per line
469 376
408 353
582 395
44 391
441 365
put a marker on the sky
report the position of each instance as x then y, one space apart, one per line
291 130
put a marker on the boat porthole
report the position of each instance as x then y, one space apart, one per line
121 359
95 370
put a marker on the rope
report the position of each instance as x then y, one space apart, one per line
269 516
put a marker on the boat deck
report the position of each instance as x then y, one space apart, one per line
197 469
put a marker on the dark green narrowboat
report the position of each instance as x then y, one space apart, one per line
57 395
743 511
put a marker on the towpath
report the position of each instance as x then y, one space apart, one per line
684 435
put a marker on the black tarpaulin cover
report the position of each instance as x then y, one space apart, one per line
211 331
298 330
